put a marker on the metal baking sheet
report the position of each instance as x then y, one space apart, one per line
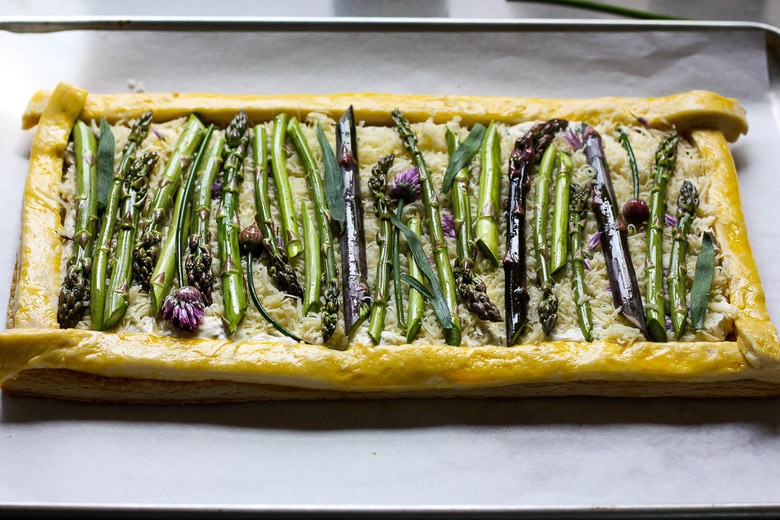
565 457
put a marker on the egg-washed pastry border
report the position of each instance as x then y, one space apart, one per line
38 358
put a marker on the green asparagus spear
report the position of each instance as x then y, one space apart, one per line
281 272
471 289
378 185
312 263
284 194
431 204
323 218
686 211
103 244
579 200
74 294
488 200
560 226
548 306
197 261
228 227
416 302
147 247
132 198
665 158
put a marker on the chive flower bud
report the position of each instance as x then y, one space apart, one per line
405 186
184 308
636 211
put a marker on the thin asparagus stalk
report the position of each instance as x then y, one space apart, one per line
488 199
197 262
284 195
560 226
527 150
147 247
279 268
133 193
228 227
357 296
613 236
665 158
385 267
416 303
316 188
312 263
431 204
471 288
686 211
74 294
548 306
580 196
103 243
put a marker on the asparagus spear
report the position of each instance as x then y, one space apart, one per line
132 200
103 243
665 158
486 225
74 294
378 185
613 236
560 227
197 262
416 302
431 204
580 195
686 211
323 218
281 272
471 288
228 227
357 297
312 264
147 247
548 306
527 150
284 195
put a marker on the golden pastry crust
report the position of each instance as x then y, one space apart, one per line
37 357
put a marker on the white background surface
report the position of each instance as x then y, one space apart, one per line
506 454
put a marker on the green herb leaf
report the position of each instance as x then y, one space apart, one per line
415 284
702 282
438 302
332 180
105 163
462 155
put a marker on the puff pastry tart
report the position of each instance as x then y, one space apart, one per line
204 247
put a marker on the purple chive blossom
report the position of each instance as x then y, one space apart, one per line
216 189
448 224
184 308
159 134
642 121
586 262
670 220
405 186
595 240
572 138
669 325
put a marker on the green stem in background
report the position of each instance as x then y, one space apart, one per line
74 294
611 9
686 211
312 262
325 253
489 194
284 196
279 269
197 263
655 306
579 201
228 227
560 225
433 216
132 197
416 304
103 245
378 185
548 306
471 289
147 246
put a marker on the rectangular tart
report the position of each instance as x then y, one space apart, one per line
143 358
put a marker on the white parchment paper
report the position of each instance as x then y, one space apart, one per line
492 454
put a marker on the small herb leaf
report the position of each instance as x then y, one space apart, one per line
702 281
332 180
105 163
462 155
